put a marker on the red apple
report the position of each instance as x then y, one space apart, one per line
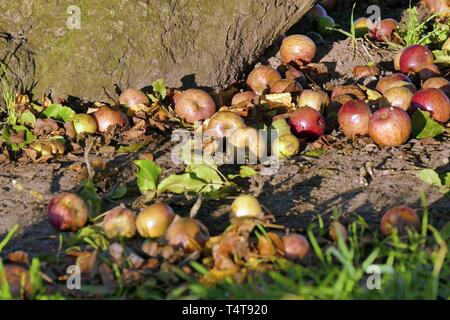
18 279
429 71
194 105
384 29
434 101
438 83
390 126
354 117
336 228
399 218
295 246
67 212
415 58
107 117
307 123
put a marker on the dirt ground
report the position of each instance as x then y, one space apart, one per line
356 177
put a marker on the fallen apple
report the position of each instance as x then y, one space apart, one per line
400 218
337 229
194 105
399 97
296 246
187 234
153 221
224 123
84 123
317 100
286 146
107 117
119 223
67 212
390 126
434 101
246 206
415 58
307 123
354 117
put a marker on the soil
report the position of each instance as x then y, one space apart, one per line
356 177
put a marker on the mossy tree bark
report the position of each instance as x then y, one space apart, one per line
132 43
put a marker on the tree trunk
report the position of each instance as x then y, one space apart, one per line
131 43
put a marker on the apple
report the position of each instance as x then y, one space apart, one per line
390 126
399 218
434 101
67 212
354 117
307 123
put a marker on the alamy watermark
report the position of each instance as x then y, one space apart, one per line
73 282
240 146
373 282
74 19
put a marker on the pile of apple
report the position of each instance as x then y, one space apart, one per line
68 212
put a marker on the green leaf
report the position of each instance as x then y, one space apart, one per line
247 171
208 175
132 148
59 112
147 175
315 153
181 183
118 192
446 179
91 235
27 118
198 178
423 126
29 137
430 176
160 88
89 194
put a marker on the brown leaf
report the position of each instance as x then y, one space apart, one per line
19 257
45 127
146 156
132 134
150 248
132 277
87 261
317 68
70 130
107 275
151 263
161 126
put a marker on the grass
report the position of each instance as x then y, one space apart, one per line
412 267
415 31
352 33
8 95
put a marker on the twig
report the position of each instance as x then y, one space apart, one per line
196 207
87 150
